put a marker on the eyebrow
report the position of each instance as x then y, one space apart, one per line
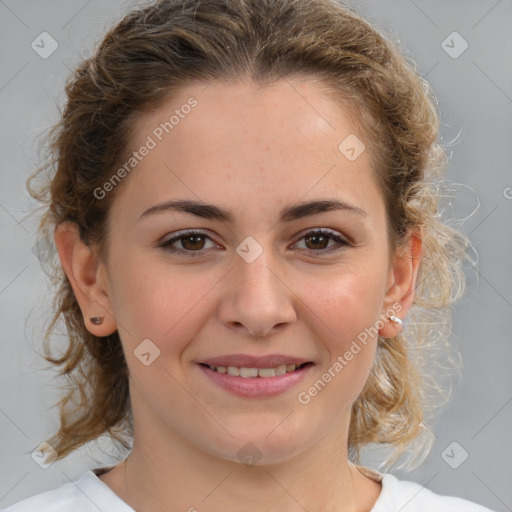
288 214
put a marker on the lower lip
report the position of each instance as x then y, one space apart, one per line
255 387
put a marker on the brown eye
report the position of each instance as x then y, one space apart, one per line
188 243
318 241
192 242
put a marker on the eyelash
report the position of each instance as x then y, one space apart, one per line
166 245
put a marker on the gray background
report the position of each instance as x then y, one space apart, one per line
475 98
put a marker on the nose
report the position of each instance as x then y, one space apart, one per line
258 300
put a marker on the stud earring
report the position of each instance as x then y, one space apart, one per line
395 320
97 320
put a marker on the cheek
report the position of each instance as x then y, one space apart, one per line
165 304
347 300
347 309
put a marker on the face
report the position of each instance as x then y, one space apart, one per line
262 277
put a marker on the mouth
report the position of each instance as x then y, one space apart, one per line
253 373
256 383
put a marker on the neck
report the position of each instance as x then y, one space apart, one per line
241 490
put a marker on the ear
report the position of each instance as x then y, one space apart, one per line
401 284
88 277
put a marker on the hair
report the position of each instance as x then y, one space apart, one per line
162 47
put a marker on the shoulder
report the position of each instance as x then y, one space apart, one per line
407 496
56 500
87 494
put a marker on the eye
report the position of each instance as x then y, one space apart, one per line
192 243
317 240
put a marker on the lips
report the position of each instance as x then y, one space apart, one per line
243 381
255 376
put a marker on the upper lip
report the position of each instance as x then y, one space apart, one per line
248 361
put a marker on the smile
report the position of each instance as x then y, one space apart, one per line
251 373
256 382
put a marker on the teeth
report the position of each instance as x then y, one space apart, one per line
267 372
233 370
248 372
251 373
281 369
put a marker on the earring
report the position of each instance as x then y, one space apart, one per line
395 320
97 320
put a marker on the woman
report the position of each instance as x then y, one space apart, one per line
244 216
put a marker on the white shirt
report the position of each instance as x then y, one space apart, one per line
90 494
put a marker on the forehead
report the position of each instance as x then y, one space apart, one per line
241 141
287 111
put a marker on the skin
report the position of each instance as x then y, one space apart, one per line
253 151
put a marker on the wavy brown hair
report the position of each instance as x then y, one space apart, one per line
161 48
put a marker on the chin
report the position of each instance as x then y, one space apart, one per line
259 447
